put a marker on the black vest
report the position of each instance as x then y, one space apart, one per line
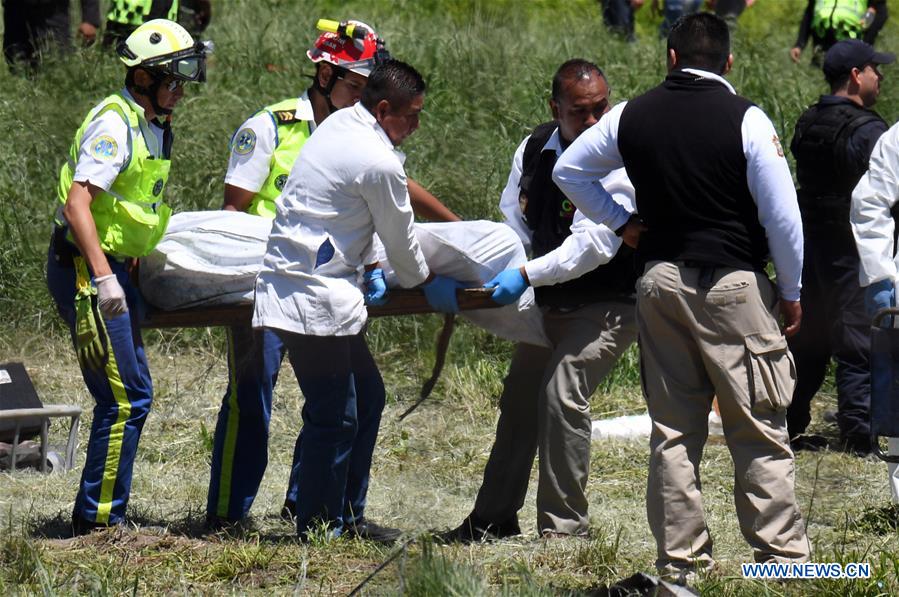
549 215
827 174
682 146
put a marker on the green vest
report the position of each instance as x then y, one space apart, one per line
843 17
130 218
291 134
134 12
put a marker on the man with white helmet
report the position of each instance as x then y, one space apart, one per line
263 151
110 213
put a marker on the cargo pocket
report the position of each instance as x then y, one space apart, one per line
772 373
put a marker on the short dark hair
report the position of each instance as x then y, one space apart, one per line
572 70
701 40
395 81
837 81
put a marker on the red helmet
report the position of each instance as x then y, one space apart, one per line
356 55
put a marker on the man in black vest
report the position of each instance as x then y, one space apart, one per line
715 198
586 293
832 144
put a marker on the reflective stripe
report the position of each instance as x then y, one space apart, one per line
116 437
231 428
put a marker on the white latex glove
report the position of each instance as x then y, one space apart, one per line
110 296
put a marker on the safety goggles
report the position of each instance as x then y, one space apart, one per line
184 65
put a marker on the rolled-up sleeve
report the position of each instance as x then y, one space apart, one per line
591 157
384 189
872 222
771 187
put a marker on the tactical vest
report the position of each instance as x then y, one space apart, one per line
130 217
549 215
136 12
824 170
291 133
842 17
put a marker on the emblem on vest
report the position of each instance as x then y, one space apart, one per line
244 142
157 188
285 116
566 210
279 181
104 148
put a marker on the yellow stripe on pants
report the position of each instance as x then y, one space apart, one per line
116 438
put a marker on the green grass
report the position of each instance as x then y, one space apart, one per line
488 64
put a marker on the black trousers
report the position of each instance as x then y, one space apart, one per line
618 15
835 325
32 28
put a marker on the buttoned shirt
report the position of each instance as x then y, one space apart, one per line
587 247
594 154
347 183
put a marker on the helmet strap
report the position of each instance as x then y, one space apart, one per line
151 92
336 72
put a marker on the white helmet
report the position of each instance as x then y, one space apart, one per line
167 48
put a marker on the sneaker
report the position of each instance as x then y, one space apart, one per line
475 529
809 442
366 529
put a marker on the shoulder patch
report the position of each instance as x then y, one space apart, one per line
104 147
777 146
244 142
286 116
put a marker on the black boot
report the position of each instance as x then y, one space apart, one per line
475 529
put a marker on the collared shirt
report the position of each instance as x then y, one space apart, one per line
587 247
347 183
102 170
872 223
249 169
594 154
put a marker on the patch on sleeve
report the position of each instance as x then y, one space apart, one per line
780 148
244 142
104 147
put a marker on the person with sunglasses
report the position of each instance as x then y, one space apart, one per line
263 150
110 213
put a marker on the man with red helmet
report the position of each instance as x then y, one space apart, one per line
263 151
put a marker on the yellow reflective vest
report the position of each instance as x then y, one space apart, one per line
135 12
291 133
843 17
130 217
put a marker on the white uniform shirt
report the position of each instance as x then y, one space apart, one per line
249 163
106 145
872 223
347 183
595 154
587 247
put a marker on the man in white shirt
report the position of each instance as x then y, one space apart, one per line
715 198
586 294
347 184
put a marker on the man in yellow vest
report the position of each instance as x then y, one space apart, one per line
263 151
827 22
110 213
125 16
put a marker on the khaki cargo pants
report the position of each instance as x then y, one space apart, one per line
701 336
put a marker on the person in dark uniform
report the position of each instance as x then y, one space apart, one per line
584 285
618 16
832 143
31 27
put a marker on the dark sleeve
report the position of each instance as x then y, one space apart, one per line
880 18
805 25
90 12
862 142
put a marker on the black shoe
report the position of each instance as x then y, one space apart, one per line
215 523
366 529
80 526
856 445
289 511
809 442
829 416
475 529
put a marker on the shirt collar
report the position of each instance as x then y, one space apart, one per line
554 143
704 74
304 110
141 114
366 117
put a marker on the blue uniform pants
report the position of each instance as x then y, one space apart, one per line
344 396
122 390
240 445
675 9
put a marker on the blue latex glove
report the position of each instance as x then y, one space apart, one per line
880 295
509 285
375 287
441 294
